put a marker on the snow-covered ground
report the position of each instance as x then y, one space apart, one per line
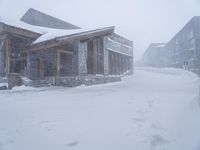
156 109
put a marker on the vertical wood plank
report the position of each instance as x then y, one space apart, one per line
7 55
95 56
58 64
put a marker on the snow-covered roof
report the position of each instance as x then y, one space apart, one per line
157 45
161 45
35 17
22 25
50 33
63 34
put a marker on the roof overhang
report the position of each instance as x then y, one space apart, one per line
71 38
18 31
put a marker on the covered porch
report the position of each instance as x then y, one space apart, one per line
77 55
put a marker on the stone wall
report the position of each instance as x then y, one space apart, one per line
82 58
106 53
85 80
14 80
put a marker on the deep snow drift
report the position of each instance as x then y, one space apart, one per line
156 109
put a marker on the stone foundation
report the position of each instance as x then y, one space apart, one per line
85 80
14 80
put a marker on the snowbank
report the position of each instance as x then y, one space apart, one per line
171 71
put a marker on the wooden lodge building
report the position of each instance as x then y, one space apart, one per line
44 48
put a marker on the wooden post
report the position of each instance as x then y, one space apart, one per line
58 64
7 55
132 59
120 65
2 56
95 56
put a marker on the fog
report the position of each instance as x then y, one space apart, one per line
143 21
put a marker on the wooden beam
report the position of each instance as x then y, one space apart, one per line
65 52
41 46
7 55
67 39
22 32
57 64
95 57
71 38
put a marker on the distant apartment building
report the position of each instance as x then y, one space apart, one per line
182 51
153 55
184 48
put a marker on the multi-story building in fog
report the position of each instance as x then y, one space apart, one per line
182 51
153 55
184 48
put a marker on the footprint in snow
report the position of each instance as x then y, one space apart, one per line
157 142
151 101
73 144
150 106
8 142
141 120
47 122
144 111
1 145
157 127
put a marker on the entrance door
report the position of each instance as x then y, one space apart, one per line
40 68
66 64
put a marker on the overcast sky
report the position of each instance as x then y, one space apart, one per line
143 21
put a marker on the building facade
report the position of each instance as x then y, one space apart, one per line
182 51
153 56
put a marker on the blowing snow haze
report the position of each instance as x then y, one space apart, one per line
68 81
142 21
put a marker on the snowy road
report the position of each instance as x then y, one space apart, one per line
156 109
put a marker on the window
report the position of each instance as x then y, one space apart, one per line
177 41
192 44
190 34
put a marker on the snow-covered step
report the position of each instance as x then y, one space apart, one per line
40 83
